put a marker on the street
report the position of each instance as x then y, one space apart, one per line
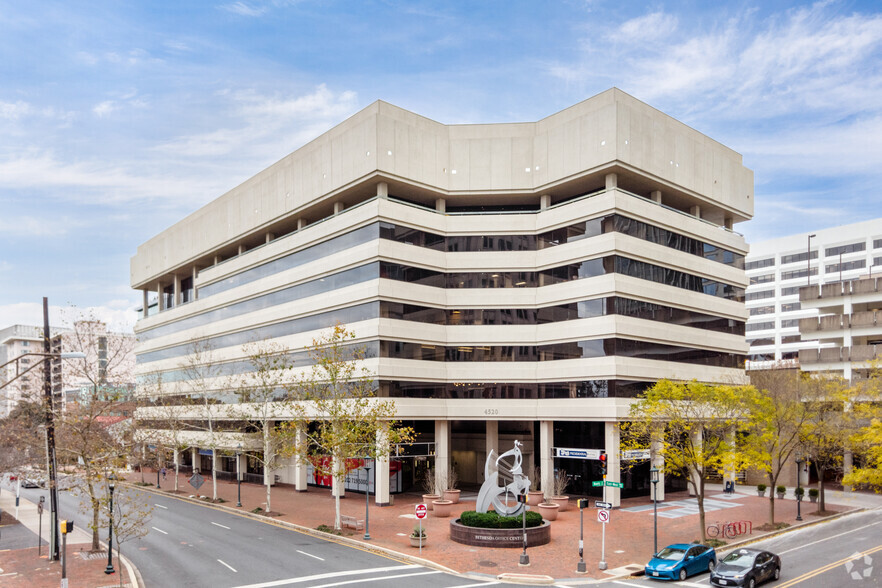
845 552
195 545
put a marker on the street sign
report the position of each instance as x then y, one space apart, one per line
599 504
603 516
596 483
613 484
420 511
635 454
576 453
196 480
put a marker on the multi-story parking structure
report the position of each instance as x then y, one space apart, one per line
510 281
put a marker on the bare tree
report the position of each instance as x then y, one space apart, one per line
163 425
131 514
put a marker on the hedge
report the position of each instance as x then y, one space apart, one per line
491 520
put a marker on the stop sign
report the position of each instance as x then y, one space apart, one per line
420 510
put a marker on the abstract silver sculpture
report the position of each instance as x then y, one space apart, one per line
504 480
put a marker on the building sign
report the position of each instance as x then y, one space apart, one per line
571 453
635 454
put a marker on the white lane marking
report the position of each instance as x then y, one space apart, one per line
310 555
330 575
475 585
160 506
828 538
228 565
696 584
628 584
220 525
366 580
160 530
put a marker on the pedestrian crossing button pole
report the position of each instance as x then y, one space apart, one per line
522 498
581 568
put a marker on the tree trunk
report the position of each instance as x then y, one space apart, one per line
96 504
177 471
267 459
337 525
821 502
214 473
699 496
772 506
119 563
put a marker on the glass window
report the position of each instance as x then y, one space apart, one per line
790 306
760 295
759 326
800 273
842 249
760 263
796 257
764 278
790 291
762 310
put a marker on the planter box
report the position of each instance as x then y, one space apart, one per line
417 541
452 496
442 508
513 538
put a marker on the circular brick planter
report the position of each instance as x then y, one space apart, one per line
478 537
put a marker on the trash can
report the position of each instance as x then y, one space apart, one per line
729 488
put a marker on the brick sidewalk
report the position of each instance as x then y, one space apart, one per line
629 536
23 568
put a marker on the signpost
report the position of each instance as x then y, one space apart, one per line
583 504
196 480
420 511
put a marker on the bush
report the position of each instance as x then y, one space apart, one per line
781 489
799 491
491 520
761 487
813 492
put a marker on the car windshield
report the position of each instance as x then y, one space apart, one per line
739 560
670 553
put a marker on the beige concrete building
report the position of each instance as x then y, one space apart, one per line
510 281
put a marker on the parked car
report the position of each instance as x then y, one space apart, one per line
31 483
680 560
746 567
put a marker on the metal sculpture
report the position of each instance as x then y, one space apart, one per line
503 497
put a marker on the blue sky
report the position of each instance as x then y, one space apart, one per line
119 118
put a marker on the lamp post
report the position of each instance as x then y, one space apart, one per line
239 475
109 569
799 462
367 501
653 477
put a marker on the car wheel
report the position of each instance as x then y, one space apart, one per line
682 574
777 574
710 566
751 583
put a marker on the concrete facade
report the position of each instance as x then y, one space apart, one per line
511 281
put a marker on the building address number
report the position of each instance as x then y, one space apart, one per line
491 411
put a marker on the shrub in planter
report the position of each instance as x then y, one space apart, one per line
813 494
799 492
781 489
491 520
761 489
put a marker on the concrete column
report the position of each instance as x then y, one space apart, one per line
337 487
695 211
269 237
612 181
159 291
440 205
728 222
728 468
241 248
299 464
491 441
657 460
382 190
216 260
655 196
544 201
176 298
381 467
697 443
301 222
546 461
613 462
442 453
338 207
146 298
847 466
194 459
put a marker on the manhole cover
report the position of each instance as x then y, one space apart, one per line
487 564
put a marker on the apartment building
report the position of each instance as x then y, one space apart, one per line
778 268
519 281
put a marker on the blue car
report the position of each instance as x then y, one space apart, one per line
680 560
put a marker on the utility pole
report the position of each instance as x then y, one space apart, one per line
50 433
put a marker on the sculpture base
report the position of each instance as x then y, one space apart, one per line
478 537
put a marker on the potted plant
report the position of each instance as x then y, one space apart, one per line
418 537
559 497
451 493
441 508
780 490
430 489
761 490
813 494
799 492
548 509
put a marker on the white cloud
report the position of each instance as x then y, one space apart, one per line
648 27
243 9
29 226
14 110
104 108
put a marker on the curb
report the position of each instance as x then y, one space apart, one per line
305 530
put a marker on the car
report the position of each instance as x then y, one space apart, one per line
746 567
30 483
681 560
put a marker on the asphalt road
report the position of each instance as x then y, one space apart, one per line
195 545
844 553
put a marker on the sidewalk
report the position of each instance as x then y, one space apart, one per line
629 536
22 567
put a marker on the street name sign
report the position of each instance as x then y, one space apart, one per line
596 483
613 484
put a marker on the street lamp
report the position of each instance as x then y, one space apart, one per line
799 462
653 477
109 569
367 501
239 474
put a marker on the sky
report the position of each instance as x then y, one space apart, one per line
117 119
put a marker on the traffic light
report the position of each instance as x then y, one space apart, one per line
603 463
